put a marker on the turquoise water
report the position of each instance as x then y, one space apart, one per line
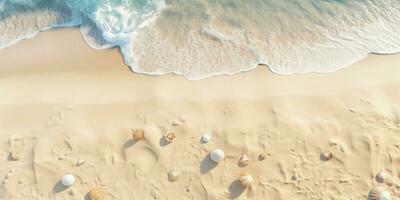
201 38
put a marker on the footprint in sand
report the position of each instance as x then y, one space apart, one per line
143 158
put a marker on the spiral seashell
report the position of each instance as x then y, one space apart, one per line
244 160
174 175
246 179
383 177
217 155
95 194
262 156
379 193
326 155
137 134
14 156
169 137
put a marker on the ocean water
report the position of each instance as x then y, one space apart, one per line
202 38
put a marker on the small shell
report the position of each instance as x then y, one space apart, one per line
379 193
244 160
95 194
174 175
67 180
262 156
137 134
14 156
205 138
80 162
326 155
384 177
246 179
217 155
169 137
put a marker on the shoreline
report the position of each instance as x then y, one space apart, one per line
98 71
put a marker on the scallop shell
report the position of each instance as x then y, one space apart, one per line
95 194
244 160
326 155
67 180
174 175
262 156
137 134
205 138
246 179
217 155
169 137
14 156
379 193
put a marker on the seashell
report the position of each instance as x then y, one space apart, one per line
246 179
14 156
262 156
169 137
244 160
379 193
174 175
383 177
205 138
326 155
95 194
217 155
67 180
80 162
138 134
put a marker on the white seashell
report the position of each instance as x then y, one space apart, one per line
80 162
246 179
244 160
217 155
379 193
205 138
68 180
174 175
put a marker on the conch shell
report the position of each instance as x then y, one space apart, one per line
137 134
169 137
246 179
174 175
379 193
95 194
244 160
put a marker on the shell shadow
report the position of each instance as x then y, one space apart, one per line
129 143
86 197
235 189
163 142
59 187
207 164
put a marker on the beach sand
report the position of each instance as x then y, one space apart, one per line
61 101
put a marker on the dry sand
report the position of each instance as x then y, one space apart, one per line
61 101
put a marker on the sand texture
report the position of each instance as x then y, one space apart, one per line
64 103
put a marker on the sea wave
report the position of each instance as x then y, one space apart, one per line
202 38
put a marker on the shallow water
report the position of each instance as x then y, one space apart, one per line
201 38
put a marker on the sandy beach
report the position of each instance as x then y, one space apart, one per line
61 101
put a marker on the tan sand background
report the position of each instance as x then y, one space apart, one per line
61 101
